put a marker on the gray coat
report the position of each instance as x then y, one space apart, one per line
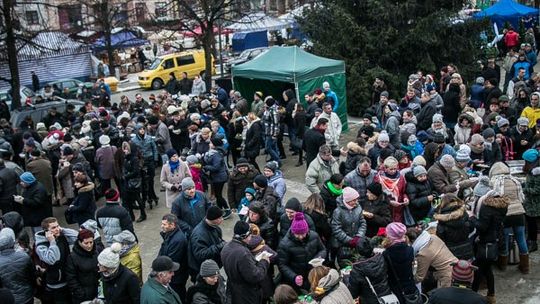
163 138
169 179
17 272
346 224
359 183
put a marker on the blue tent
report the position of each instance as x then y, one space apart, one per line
249 40
120 40
507 10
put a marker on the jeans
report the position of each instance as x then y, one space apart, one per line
272 149
519 236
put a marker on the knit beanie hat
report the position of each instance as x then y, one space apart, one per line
27 178
171 152
104 140
241 229
294 204
192 159
489 132
447 161
391 162
257 207
112 195
419 160
299 224
523 121
125 237
463 271
477 139
213 213
383 136
67 150
7 238
375 189
261 181
482 187
384 93
250 191
437 118
400 154
242 162
187 183
419 170
209 268
272 165
463 155
531 155
395 232
110 256
85 234
502 122
216 140
411 140
349 194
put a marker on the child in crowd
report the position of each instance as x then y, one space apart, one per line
245 201
195 168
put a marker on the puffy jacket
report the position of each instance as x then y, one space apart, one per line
216 166
269 199
418 192
131 258
205 243
190 211
55 255
381 214
238 183
8 185
82 273
267 230
17 273
335 290
438 176
359 182
285 224
277 182
36 205
122 287
509 186
400 256
84 204
489 224
113 219
454 228
425 116
346 224
147 145
320 171
199 145
294 256
375 269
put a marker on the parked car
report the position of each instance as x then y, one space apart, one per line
24 91
245 56
71 84
39 111
157 74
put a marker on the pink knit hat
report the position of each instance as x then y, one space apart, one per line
395 232
299 224
349 194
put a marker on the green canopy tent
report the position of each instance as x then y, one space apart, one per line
291 67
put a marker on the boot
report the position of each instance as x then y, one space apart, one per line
299 163
491 299
141 218
524 263
533 246
502 261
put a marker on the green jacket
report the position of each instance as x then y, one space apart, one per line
153 292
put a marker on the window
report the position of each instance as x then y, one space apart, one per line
69 16
161 9
185 60
32 17
168 64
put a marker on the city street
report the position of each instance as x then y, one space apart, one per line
511 286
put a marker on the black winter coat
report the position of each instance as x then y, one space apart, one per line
322 225
84 204
122 288
400 256
175 246
254 139
17 274
285 224
267 230
451 107
269 199
418 192
294 256
375 269
238 183
8 186
36 205
313 139
329 199
489 224
205 242
82 273
425 116
454 228
189 215
244 273
381 214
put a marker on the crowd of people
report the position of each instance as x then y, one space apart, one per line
422 203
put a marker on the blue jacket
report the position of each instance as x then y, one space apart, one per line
332 94
522 64
277 182
147 145
215 164
175 246
190 212
531 56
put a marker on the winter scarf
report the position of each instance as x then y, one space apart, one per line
390 184
498 185
174 165
333 189
421 242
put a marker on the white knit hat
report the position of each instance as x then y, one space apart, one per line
383 136
104 140
110 256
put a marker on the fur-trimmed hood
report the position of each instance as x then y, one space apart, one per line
499 202
450 213
355 148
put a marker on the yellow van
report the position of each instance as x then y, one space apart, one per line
191 62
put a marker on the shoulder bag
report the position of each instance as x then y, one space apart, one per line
388 299
415 298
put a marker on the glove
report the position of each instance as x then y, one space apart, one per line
298 280
174 188
354 242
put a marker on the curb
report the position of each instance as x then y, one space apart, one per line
132 88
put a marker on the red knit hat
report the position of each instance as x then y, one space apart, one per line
463 271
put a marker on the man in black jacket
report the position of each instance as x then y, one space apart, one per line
184 84
314 139
428 109
112 217
206 241
8 187
175 245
